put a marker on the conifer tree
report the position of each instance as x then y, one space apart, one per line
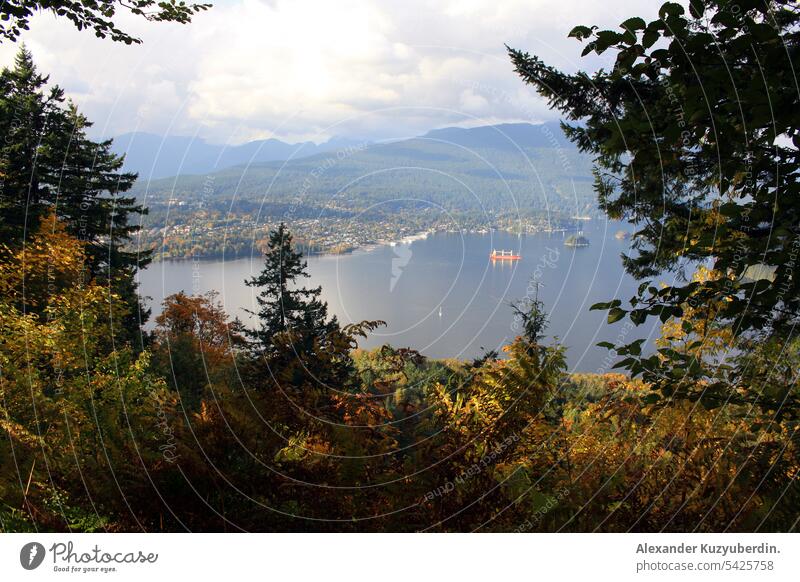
47 163
285 306
699 149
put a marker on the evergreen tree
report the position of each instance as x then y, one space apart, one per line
530 316
284 306
699 149
47 163
26 115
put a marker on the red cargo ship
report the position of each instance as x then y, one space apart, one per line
504 256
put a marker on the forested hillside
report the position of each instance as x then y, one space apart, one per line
502 167
517 177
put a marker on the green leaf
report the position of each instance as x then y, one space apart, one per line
638 316
670 9
649 38
696 8
580 32
651 398
606 39
605 305
636 347
634 23
615 314
627 362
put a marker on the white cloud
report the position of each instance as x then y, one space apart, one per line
300 69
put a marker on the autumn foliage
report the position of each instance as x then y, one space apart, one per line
202 431
197 422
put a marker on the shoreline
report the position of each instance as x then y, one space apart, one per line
367 247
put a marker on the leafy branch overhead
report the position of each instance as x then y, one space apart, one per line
96 15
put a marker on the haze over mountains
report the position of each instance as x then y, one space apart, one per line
155 156
493 167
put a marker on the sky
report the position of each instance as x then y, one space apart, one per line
312 69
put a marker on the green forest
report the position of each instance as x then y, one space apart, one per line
203 424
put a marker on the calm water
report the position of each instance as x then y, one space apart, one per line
407 284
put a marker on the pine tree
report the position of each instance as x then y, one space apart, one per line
284 306
89 195
25 116
47 163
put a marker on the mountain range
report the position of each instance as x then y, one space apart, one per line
495 167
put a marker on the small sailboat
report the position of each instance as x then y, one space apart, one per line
440 311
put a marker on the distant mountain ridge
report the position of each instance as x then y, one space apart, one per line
483 169
154 156
504 136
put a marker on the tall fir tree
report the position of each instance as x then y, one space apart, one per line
26 116
48 163
285 306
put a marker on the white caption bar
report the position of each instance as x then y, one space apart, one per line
396 557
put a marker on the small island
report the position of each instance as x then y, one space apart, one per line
576 241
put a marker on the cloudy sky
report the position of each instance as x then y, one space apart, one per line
311 69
